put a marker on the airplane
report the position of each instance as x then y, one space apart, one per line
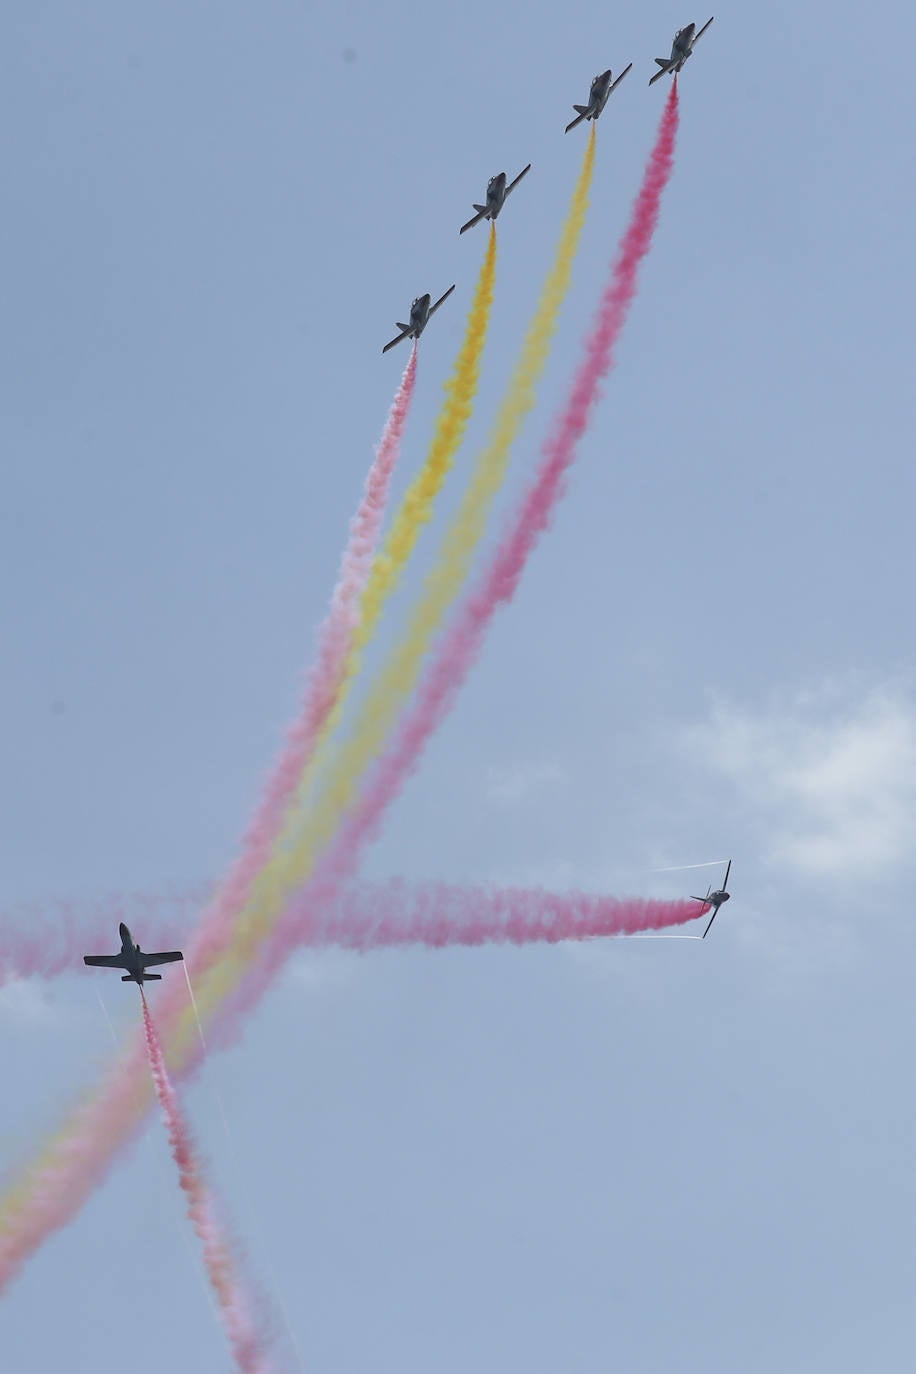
497 190
715 899
133 959
681 48
420 314
597 97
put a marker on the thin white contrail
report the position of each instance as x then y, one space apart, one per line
200 1029
681 868
108 1019
626 940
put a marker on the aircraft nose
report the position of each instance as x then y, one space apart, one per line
123 931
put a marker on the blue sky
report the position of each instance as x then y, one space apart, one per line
541 1158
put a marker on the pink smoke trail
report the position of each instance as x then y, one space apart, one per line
441 915
464 640
367 916
247 1344
47 939
54 1190
323 682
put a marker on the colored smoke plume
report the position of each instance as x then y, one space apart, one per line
222 1271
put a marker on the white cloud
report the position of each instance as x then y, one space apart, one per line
836 779
24 1003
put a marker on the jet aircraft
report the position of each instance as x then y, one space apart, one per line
132 959
497 190
715 899
681 48
420 314
602 86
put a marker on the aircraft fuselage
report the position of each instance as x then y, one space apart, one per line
419 315
496 194
131 953
683 42
597 96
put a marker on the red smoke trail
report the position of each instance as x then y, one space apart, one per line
247 1344
464 640
440 915
57 1184
376 915
323 683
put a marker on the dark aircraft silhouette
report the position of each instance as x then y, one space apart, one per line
715 899
497 190
420 314
602 87
133 959
681 49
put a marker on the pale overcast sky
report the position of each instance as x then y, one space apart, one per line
620 1155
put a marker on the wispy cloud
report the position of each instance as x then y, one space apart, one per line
832 776
25 1004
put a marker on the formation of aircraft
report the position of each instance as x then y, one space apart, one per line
133 959
715 899
497 190
421 313
681 48
601 88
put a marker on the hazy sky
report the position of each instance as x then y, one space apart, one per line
577 1158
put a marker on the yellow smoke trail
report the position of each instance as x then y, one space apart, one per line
293 861
419 499
308 832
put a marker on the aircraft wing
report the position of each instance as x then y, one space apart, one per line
434 308
512 184
578 119
403 335
699 35
620 78
481 214
662 71
150 960
104 960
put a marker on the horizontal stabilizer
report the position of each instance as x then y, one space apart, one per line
404 328
663 61
581 109
481 209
